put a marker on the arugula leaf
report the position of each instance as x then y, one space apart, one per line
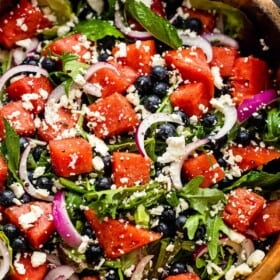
141 216
236 23
215 225
160 28
97 29
192 224
273 130
200 199
108 202
11 149
256 178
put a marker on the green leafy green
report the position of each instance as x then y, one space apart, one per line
142 216
236 22
96 29
215 225
200 199
11 149
160 28
108 202
256 178
273 129
192 224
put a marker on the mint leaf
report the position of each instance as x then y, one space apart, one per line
11 149
200 199
97 29
160 28
215 226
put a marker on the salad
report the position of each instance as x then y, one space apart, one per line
139 140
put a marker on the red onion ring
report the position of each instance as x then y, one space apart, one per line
198 42
98 66
142 35
176 166
62 272
253 104
230 118
27 185
5 259
92 89
63 223
221 39
248 246
19 69
138 272
147 122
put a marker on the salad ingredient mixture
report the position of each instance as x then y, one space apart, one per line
139 140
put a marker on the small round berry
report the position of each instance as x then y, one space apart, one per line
93 253
194 24
103 56
209 120
164 229
31 61
180 221
10 231
165 131
143 84
111 275
159 74
48 64
25 198
160 89
23 142
151 103
103 183
184 117
243 137
168 214
44 182
107 161
19 244
37 151
6 198
200 233
177 268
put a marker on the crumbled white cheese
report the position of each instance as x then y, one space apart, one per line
19 266
236 236
255 258
98 163
84 244
17 189
241 270
218 80
28 219
39 171
38 258
174 151
98 144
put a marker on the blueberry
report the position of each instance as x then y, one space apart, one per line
177 268
19 244
25 198
165 130
11 231
107 43
180 221
93 253
103 183
143 84
258 121
194 24
107 161
222 162
111 275
160 89
179 22
243 137
48 64
151 103
6 198
103 56
209 120
171 6
31 61
159 74
184 117
168 214
272 166
87 230
23 142
44 182
164 229
37 151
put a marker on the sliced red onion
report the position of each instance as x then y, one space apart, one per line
176 166
221 39
147 122
53 259
96 5
138 272
248 246
98 66
19 69
5 260
63 223
199 42
62 272
141 35
27 185
225 106
253 104
92 89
